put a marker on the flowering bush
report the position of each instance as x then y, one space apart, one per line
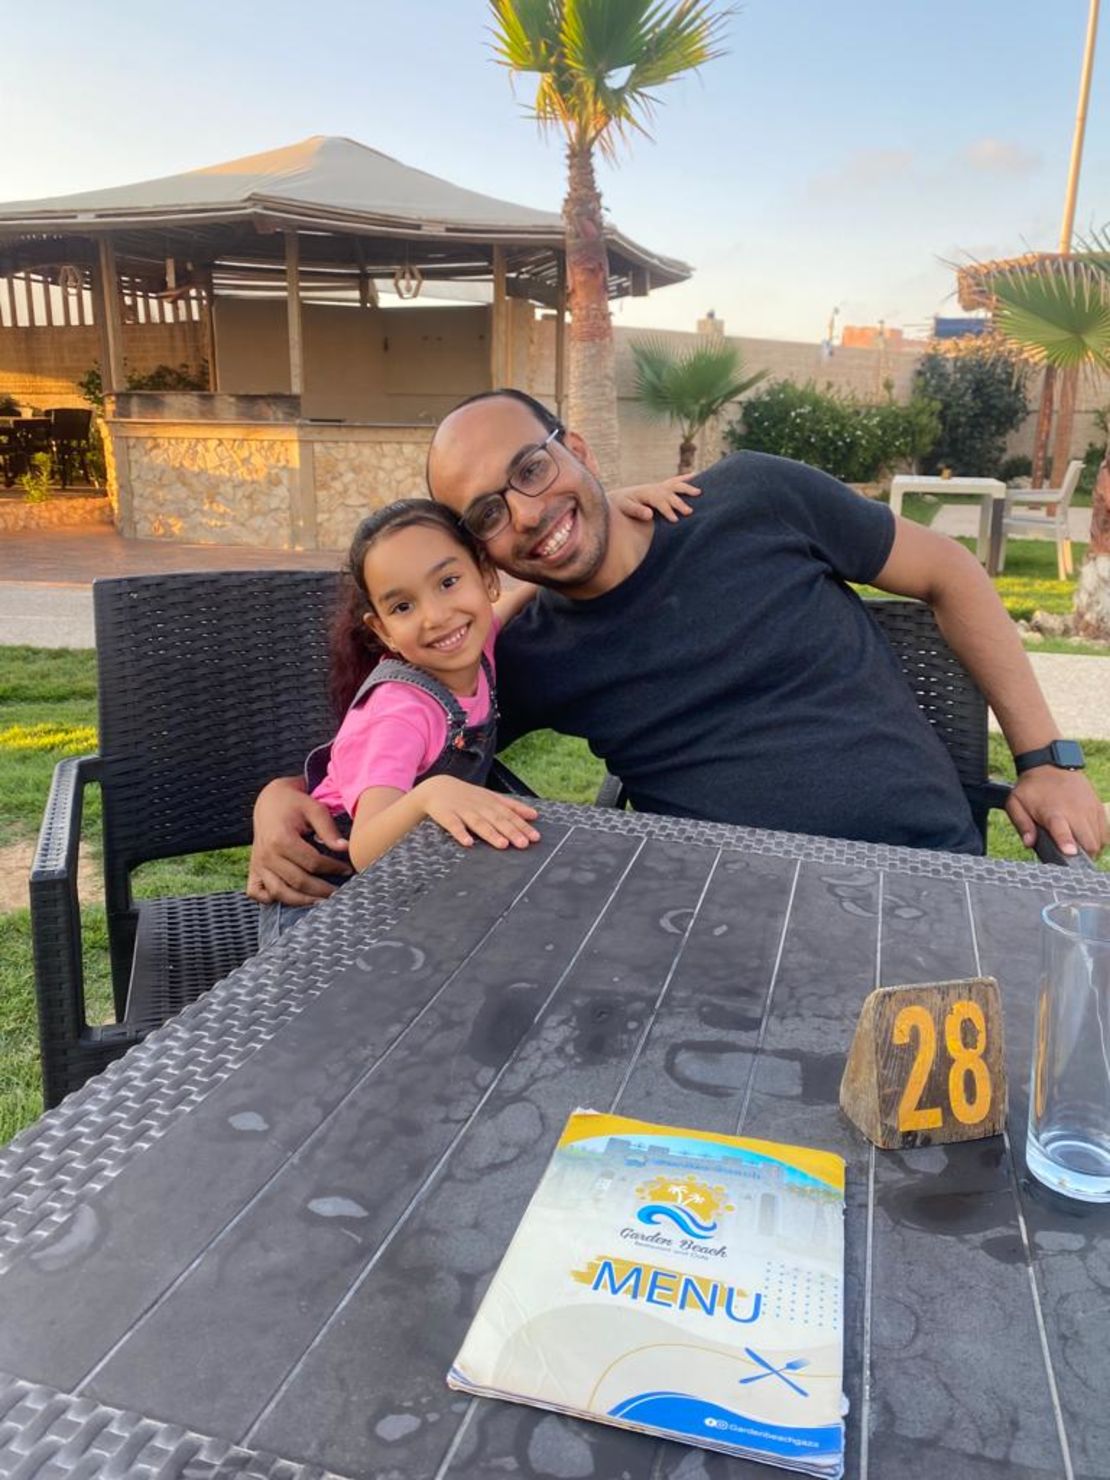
856 441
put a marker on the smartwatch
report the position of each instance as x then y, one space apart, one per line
1066 754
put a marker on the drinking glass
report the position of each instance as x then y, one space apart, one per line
1068 1147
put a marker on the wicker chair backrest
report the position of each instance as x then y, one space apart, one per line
210 684
944 691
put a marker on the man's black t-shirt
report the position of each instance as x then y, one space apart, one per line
733 676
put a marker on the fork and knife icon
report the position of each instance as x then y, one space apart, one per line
771 1370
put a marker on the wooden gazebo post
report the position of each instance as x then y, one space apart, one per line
208 308
113 376
499 323
293 305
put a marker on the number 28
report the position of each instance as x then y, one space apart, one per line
967 1059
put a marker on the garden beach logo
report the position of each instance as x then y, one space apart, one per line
686 1202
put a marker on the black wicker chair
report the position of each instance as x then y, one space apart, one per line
210 684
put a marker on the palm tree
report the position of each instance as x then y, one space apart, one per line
689 388
599 63
1057 312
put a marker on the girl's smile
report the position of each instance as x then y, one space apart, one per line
431 603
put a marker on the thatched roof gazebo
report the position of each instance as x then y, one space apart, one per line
321 220
279 263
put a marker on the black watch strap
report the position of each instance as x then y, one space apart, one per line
1065 754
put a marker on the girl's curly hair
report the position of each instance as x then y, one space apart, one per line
354 649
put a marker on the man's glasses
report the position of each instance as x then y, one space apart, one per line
531 475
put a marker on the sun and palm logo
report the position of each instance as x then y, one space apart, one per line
690 1205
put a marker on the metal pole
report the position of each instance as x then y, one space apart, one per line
1080 128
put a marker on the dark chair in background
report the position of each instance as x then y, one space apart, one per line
69 438
211 684
9 454
20 441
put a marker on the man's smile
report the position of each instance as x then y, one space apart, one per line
556 537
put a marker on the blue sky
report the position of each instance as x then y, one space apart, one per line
838 156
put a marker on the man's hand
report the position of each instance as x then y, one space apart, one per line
284 866
1064 804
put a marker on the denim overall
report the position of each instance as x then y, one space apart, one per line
467 753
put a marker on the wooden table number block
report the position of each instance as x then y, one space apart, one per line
926 1064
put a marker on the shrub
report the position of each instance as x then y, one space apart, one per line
853 440
161 378
35 482
982 398
1012 468
9 406
1092 461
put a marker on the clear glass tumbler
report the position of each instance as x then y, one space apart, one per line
1068 1147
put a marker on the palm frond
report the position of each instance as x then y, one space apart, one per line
1056 312
691 386
1096 249
601 62
525 33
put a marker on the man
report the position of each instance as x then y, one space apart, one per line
720 665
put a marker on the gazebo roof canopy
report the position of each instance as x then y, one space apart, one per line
230 218
973 281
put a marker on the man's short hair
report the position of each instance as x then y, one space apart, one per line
549 422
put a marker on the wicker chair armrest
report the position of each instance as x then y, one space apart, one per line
71 1051
996 794
1046 850
501 779
611 793
59 838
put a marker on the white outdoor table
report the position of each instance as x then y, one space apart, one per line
991 493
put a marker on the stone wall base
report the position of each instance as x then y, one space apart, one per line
16 514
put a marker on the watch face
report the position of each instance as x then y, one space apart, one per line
1068 754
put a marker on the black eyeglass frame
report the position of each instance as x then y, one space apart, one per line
500 493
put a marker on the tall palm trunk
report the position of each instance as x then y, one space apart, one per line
687 455
592 388
1065 424
1092 594
1044 427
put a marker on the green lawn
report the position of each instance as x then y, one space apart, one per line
48 711
1029 582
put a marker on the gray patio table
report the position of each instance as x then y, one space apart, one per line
991 493
252 1247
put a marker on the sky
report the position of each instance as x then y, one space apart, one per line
840 156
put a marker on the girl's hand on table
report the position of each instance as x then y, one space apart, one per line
468 812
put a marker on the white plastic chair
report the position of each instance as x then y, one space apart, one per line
1043 499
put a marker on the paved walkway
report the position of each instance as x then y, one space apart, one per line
45 601
77 557
45 576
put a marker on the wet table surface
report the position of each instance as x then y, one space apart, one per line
253 1246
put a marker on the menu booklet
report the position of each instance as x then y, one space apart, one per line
679 1283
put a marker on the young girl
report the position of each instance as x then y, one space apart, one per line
412 665
413 676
